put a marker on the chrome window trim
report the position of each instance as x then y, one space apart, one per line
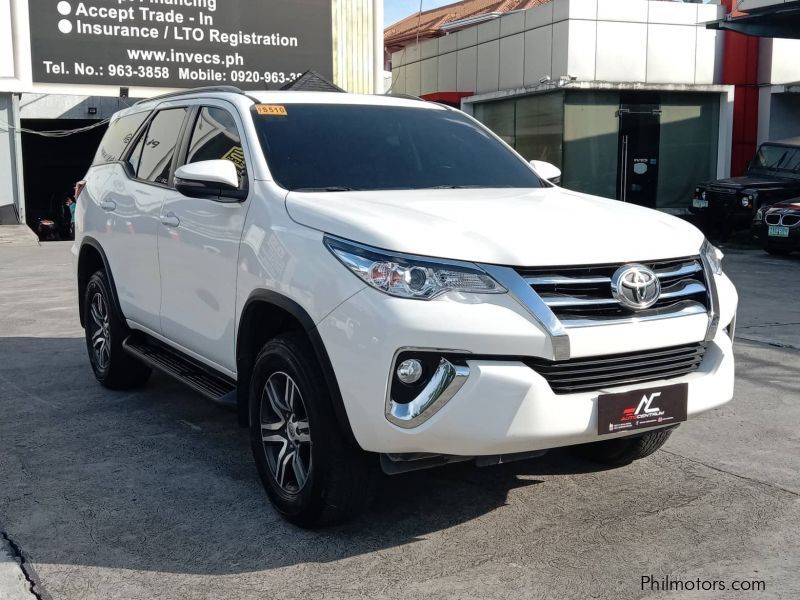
522 292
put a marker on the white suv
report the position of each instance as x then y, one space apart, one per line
381 282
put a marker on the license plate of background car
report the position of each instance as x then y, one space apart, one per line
699 203
778 231
640 409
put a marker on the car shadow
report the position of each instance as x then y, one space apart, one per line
160 480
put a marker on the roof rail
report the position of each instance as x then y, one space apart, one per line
404 96
230 89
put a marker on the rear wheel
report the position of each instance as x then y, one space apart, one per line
777 250
105 331
623 451
311 474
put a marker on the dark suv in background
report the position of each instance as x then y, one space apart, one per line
728 204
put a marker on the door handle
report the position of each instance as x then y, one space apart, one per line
170 220
108 205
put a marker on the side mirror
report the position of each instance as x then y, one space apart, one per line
212 179
547 171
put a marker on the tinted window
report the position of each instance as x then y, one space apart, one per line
783 160
215 137
384 147
135 155
159 146
117 138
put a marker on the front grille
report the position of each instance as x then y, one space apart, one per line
790 220
602 372
787 219
581 295
721 189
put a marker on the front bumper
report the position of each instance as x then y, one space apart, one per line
503 406
760 231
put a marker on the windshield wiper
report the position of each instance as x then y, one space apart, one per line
456 187
329 188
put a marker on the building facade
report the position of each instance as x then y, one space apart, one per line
628 97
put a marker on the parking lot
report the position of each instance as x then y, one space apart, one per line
153 494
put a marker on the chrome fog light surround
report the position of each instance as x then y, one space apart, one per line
444 383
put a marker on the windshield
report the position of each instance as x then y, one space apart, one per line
779 160
337 147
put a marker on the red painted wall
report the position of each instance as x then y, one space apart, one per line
740 68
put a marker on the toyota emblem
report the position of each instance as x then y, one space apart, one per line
635 286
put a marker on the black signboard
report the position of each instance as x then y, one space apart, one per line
654 407
253 44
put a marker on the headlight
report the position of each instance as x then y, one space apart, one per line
411 277
713 256
760 214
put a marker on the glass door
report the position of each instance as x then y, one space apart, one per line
638 144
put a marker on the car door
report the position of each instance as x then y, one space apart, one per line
198 245
133 204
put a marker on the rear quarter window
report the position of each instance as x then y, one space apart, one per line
120 133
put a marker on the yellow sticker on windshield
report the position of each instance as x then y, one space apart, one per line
271 109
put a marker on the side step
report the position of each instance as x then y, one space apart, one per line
214 386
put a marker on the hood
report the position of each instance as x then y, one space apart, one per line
740 183
787 205
521 227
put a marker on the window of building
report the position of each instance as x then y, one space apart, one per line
591 131
688 148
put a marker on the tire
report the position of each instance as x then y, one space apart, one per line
105 331
623 451
777 250
326 480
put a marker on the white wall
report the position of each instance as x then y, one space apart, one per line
778 61
645 41
10 160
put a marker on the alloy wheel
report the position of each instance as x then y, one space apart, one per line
285 432
101 331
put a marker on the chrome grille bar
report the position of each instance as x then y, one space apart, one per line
680 271
580 296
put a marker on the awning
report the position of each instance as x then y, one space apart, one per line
779 21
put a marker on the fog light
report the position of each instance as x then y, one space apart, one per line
409 371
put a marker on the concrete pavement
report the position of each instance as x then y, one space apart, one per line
153 494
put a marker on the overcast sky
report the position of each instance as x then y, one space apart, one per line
394 10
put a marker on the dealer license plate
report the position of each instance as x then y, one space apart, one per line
778 231
640 409
699 203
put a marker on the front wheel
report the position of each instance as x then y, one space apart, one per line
105 331
777 250
625 450
311 474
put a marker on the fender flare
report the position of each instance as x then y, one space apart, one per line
95 245
245 360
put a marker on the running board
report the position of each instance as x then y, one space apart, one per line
215 386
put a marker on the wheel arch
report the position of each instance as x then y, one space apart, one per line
267 314
91 258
